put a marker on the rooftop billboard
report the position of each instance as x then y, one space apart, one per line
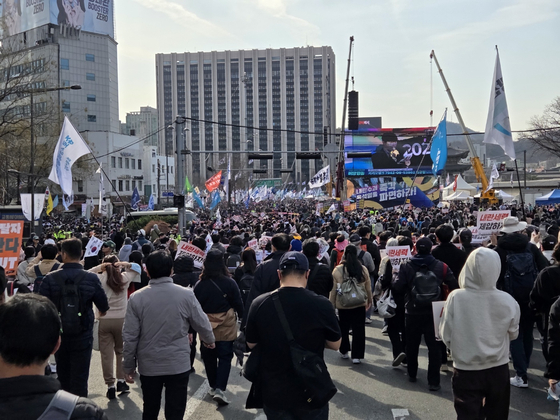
392 152
87 15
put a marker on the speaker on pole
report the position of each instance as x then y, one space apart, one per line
353 110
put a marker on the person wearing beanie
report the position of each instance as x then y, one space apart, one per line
421 281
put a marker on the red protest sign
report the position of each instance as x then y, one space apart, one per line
10 245
214 182
197 254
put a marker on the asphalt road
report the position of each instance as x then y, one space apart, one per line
372 390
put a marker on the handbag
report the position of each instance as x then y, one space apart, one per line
250 370
308 366
351 294
386 307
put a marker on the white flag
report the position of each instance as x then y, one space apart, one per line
498 129
493 175
331 209
39 200
69 149
93 246
102 202
321 178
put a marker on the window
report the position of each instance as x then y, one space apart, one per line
65 106
120 184
92 118
113 161
133 184
139 163
90 76
133 162
172 169
90 57
140 185
153 168
80 185
120 163
126 163
127 185
64 64
66 83
91 98
114 184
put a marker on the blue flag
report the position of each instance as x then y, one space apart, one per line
215 199
438 152
135 199
55 202
197 199
151 203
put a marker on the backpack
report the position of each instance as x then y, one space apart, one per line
245 285
350 293
425 287
521 273
233 261
40 276
364 247
361 256
70 305
61 406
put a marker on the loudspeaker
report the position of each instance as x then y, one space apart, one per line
353 110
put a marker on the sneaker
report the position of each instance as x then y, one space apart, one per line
344 355
356 361
404 364
398 360
368 321
122 387
384 330
220 398
519 382
444 368
212 392
434 387
111 393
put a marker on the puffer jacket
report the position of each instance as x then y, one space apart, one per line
90 291
27 397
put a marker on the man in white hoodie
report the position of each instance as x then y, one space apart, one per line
479 321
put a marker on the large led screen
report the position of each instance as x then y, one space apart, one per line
392 152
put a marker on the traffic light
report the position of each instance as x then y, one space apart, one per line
178 200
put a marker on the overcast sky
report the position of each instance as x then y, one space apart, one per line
393 40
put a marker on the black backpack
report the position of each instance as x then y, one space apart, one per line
40 276
521 273
70 305
425 287
361 256
245 285
233 261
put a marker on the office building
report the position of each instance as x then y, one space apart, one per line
243 97
143 124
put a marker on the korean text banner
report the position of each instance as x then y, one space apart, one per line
420 193
399 156
86 15
10 245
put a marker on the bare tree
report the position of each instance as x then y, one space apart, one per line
547 129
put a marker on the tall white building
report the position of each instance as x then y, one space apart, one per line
249 93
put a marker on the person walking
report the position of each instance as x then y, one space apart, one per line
156 338
115 284
352 317
478 323
220 299
245 273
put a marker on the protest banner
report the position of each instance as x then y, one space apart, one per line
489 222
398 255
197 254
10 245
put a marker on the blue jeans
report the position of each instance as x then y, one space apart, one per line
72 363
522 347
217 362
297 414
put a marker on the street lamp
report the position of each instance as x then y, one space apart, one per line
30 185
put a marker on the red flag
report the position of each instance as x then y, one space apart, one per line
455 183
214 182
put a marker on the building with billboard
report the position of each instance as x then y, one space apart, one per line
75 45
242 96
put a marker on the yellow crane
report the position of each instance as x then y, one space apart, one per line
485 196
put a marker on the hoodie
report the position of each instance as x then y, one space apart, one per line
125 251
479 321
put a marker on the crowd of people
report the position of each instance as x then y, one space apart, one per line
270 279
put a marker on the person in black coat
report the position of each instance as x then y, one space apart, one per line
553 365
447 252
320 279
386 155
184 271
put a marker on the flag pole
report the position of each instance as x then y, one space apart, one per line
520 192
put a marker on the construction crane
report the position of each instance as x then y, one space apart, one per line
486 194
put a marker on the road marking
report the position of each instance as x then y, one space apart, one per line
400 413
194 401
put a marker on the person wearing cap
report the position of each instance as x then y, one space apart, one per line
418 318
337 252
107 249
220 299
36 244
141 240
512 240
314 326
156 338
386 155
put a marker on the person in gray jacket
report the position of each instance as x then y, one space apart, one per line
156 338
